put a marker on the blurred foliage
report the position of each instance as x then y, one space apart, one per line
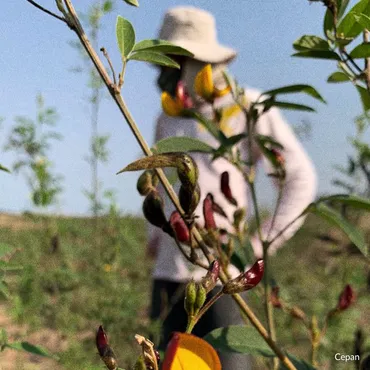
83 284
31 141
313 282
98 151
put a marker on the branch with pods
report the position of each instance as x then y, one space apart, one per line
217 248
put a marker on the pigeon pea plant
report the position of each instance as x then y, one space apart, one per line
98 152
342 30
31 140
206 245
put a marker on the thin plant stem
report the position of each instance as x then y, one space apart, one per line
171 193
251 121
208 305
288 225
105 53
193 320
314 350
349 58
276 210
367 61
47 11
196 262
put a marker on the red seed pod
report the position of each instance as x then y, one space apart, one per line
346 298
278 156
209 281
183 96
104 349
101 341
209 219
225 189
255 274
157 356
275 300
246 280
179 227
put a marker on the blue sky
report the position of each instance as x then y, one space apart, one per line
36 58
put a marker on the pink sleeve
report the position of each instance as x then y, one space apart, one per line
300 184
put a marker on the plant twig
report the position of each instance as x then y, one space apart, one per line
38 6
105 53
276 210
349 58
189 258
367 62
171 193
251 121
288 225
203 310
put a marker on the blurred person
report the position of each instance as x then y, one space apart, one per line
195 30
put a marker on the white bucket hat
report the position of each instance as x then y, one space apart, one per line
195 30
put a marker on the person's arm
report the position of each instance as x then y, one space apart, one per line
300 183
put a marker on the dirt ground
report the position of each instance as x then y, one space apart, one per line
18 360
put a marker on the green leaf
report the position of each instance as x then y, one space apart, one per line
349 26
208 125
161 46
263 140
154 58
125 36
132 2
310 42
287 105
3 168
329 25
107 6
227 143
230 81
317 54
343 41
336 219
306 89
337 77
362 19
182 144
361 51
342 4
3 337
350 200
5 249
239 339
265 146
4 290
365 97
28 347
6 266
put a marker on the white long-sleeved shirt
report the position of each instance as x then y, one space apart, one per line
298 192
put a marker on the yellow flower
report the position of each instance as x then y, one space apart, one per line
172 107
226 114
204 86
107 267
176 106
219 93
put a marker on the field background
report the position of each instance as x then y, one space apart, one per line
98 273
